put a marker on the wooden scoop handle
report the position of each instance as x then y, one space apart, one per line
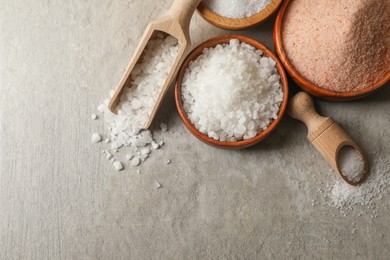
182 11
323 132
301 107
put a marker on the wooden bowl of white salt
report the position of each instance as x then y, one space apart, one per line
237 14
231 92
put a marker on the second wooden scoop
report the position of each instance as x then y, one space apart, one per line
325 134
176 24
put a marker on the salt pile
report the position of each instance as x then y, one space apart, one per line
232 92
351 163
137 101
236 8
345 196
338 45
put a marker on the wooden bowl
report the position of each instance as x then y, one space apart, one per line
224 39
238 23
305 84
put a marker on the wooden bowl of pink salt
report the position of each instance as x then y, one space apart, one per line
335 50
231 92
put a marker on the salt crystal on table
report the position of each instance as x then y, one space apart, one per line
106 140
96 138
164 127
93 116
139 171
157 185
129 156
168 161
108 156
118 165
155 145
135 161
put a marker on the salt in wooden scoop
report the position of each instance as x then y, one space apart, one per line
327 137
176 24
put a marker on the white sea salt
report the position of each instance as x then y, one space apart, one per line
164 127
135 161
118 165
168 161
93 116
157 185
96 138
236 8
155 145
129 156
137 101
351 164
232 92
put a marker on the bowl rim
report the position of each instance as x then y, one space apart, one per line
224 39
304 83
238 23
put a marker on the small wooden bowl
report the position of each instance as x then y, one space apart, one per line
305 84
224 39
238 23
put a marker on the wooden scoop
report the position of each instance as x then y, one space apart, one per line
325 134
176 24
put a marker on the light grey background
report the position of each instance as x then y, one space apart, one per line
61 199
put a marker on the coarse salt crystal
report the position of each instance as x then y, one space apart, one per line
96 138
137 101
93 116
157 185
231 92
164 127
135 161
118 165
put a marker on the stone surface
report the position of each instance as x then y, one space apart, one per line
61 199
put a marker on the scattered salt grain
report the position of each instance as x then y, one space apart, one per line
129 156
232 92
107 140
138 171
236 8
135 161
351 164
164 127
118 165
93 116
157 185
168 161
108 156
96 138
155 145
137 101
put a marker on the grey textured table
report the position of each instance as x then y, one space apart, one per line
60 199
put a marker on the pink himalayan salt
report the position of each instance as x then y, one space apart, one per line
338 45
